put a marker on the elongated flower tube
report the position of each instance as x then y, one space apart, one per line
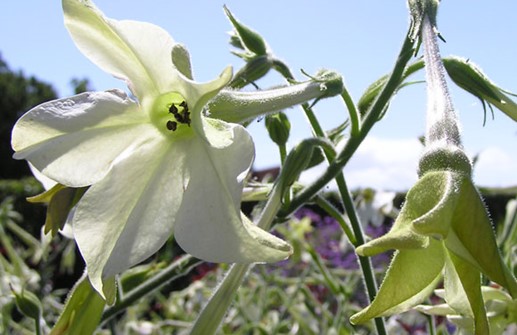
155 165
443 230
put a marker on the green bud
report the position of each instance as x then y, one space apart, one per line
28 303
295 163
278 127
299 159
250 39
254 69
469 77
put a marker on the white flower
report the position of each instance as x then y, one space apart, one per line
155 166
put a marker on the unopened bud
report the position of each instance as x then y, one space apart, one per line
254 69
28 303
278 127
469 77
250 39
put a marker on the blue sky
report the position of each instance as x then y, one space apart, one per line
359 39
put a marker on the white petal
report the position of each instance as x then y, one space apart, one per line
209 224
74 141
128 216
137 52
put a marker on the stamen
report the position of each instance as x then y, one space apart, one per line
171 125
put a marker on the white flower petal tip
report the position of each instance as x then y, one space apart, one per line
242 243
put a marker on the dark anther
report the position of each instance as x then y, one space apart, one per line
173 109
171 125
182 117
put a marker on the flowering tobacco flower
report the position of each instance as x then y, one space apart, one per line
155 165
443 230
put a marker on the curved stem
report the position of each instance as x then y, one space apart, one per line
353 143
365 263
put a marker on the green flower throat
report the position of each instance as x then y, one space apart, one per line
171 114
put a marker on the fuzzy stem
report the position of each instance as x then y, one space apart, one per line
237 107
442 121
353 143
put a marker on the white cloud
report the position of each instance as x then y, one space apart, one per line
496 167
386 164
391 165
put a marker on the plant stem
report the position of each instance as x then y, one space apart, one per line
346 197
210 318
177 269
353 143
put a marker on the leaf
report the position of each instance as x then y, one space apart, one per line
82 312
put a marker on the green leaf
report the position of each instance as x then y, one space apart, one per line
468 76
82 312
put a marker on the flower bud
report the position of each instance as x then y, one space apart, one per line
250 39
254 69
278 127
298 160
469 77
28 303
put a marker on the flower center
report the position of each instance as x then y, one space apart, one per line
170 113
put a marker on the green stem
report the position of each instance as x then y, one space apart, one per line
365 263
355 117
179 268
336 167
37 326
212 314
331 210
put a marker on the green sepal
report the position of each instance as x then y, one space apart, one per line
418 10
462 284
472 238
82 312
410 278
60 199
